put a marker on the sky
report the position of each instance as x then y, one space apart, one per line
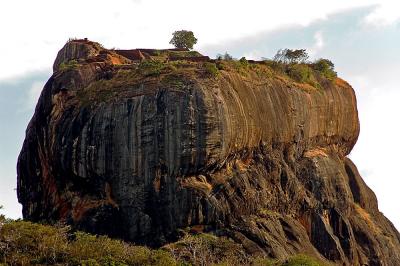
362 38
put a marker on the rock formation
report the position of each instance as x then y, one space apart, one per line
248 154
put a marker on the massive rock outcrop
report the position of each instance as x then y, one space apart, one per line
142 151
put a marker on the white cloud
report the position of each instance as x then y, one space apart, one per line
40 28
385 14
253 55
318 45
375 153
33 94
8 194
28 102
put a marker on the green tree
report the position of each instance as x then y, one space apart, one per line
183 39
2 217
225 56
289 56
325 67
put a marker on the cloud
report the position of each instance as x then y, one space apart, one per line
8 194
318 44
33 94
17 101
376 150
34 39
385 14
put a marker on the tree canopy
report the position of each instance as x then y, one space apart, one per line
289 56
183 39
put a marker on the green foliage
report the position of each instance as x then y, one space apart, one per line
161 258
301 73
326 68
183 39
288 56
206 249
211 69
151 67
294 64
225 56
243 61
2 217
183 53
260 261
71 64
26 243
278 67
302 260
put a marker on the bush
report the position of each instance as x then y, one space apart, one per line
151 67
161 258
206 249
260 261
71 64
32 243
243 61
302 260
275 66
300 73
26 243
288 56
225 56
326 68
211 69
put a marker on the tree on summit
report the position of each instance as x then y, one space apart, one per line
183 39
288 56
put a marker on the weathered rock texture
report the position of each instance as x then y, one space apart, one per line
253 156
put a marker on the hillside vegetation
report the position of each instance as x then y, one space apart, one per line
26 243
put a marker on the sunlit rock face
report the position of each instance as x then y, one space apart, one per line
247 154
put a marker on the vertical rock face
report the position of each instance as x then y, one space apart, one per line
258 158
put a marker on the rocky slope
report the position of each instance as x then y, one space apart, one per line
146 152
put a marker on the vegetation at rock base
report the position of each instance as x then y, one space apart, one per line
26 243
183 39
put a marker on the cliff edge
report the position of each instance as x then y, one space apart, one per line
146 145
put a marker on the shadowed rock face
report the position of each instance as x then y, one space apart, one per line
255 157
